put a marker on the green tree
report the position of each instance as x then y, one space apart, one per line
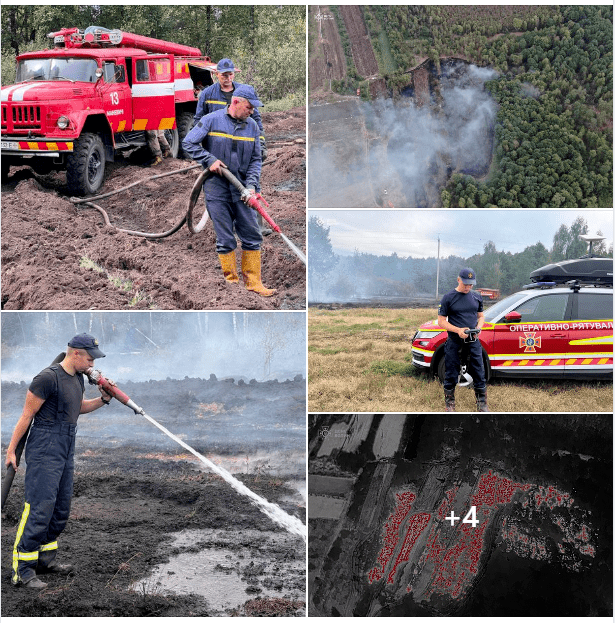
322 259
566 242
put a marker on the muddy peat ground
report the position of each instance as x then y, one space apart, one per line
56 255
152 531
126 507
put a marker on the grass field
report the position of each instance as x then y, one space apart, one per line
359 360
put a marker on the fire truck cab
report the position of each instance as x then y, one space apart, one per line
94 94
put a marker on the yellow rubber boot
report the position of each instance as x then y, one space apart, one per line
229 266
251 269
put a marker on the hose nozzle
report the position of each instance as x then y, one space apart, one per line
254 201
95 377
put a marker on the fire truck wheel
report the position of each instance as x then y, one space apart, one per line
85 167
184 125
173 140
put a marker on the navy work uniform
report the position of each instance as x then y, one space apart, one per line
218 136
462 310
235 143
214 98
49 475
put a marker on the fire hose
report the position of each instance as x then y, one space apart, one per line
274 512
253 200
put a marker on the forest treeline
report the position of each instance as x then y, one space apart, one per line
554 126
336 277
266 42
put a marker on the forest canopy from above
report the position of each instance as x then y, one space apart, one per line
554 91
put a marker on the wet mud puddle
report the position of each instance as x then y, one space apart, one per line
228 569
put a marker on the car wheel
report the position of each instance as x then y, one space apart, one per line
85 167
465 379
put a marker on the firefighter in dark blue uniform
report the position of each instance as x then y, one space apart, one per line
229 138
217 96
462 309
53 404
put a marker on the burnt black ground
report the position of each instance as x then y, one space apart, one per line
124 508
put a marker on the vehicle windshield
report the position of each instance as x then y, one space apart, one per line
73 69
495 310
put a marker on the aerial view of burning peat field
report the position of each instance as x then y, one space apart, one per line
433 515
418 106
214 527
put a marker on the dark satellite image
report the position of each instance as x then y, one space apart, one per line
464 515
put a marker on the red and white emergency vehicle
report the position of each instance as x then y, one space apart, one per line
76 105
560 326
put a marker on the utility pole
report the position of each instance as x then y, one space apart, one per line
438 271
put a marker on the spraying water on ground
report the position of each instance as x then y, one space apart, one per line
273 511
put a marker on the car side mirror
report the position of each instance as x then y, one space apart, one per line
512 316
98 73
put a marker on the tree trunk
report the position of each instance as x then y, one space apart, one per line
207 43
252 43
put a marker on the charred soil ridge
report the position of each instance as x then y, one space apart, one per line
211 415
125 509
56 255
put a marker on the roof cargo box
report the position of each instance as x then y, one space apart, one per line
596 270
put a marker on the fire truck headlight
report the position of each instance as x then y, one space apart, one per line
63 122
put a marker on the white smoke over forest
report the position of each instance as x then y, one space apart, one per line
410 151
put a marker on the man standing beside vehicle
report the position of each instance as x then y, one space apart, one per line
158 145
53 404
217 96
229 138
462 309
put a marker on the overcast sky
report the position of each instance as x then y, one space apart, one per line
415 233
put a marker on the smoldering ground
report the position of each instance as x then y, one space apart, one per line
152 531
147 518
396 153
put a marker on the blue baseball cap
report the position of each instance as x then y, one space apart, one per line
87 342
247 92
226 64
467 276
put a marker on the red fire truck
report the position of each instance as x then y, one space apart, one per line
75 106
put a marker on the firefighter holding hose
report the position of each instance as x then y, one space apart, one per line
462 309
219 95
229 138
53 404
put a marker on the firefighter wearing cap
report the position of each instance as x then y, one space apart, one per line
462 309
53 404
229 138
219 94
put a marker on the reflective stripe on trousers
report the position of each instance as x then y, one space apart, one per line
48 491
